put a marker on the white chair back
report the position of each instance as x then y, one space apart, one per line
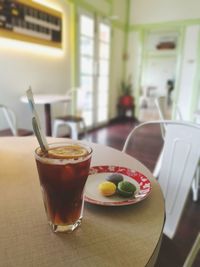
10 118
73 118
179 161
165 113
161 104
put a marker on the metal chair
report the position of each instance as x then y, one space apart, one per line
179 161
161 104
75 122
163 111
11 120
193 252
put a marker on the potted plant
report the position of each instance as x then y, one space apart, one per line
126 98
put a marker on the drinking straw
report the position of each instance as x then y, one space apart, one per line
36 122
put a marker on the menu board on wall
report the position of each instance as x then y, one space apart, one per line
31 22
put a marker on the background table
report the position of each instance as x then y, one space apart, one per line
47 100
108 236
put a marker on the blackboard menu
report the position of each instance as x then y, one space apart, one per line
29 21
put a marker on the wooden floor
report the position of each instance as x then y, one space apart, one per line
173 252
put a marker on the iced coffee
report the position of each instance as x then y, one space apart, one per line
63 171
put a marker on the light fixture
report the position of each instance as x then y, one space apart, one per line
30 47
48 4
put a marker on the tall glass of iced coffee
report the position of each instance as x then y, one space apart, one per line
63 171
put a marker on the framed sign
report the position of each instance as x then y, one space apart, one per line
30 22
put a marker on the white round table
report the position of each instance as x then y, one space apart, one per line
47 100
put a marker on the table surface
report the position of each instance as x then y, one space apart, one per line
108 236
42 99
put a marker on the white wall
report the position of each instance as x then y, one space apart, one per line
119 13
101 5
188 70
119 10
116 69
47 71
134 58
153 11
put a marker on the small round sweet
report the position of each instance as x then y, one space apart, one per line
115 178
107 188
126 189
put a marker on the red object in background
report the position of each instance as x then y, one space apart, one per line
126 101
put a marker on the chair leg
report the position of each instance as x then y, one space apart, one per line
55 129
74 127
74 131
195 184
158 165
193 253
84 129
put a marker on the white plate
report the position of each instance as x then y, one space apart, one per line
98 175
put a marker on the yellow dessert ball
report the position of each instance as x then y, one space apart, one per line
107 188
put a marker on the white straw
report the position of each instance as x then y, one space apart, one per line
36 122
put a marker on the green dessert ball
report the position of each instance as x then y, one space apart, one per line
115 178
126 189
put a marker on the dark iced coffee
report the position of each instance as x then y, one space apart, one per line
63 172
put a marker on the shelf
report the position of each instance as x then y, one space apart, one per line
167 40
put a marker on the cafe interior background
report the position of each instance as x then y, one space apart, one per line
130 54
145 45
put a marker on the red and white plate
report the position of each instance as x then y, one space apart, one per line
98 175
